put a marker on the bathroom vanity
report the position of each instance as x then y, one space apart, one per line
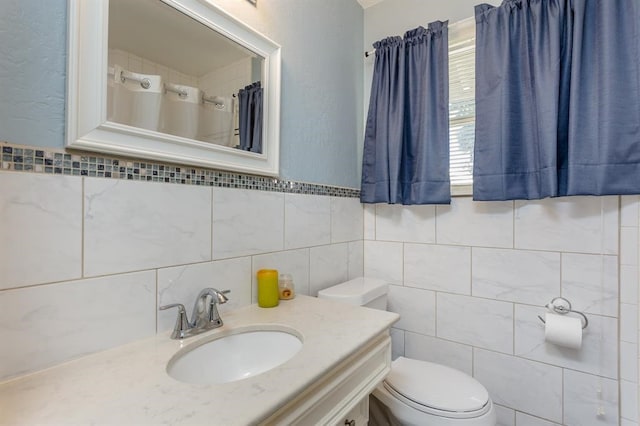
345 353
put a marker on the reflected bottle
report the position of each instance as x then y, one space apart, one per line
268 296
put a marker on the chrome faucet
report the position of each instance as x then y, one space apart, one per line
204 317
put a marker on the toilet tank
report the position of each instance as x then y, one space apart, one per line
361 291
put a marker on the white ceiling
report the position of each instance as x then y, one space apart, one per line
368 3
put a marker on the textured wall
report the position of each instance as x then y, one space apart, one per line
321 83
321 118
32 71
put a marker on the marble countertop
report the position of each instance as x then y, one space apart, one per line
129 384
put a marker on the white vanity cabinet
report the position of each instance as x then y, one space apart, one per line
341 396
346 353
358 416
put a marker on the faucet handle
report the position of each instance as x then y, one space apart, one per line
221 296
182 323
180 306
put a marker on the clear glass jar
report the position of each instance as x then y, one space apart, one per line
286 288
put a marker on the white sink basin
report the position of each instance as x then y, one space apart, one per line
233 357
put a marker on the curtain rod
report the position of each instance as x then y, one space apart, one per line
455 24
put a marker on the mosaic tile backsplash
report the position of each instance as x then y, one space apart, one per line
50 161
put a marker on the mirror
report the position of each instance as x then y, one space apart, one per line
174 80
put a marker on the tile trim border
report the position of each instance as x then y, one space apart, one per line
46 160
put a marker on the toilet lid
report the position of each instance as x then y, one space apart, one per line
436 386
358 291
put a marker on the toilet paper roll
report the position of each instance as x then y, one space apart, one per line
563 330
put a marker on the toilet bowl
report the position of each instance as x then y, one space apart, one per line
418 392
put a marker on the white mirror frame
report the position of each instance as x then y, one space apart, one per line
87 125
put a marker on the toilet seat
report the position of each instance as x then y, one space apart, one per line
436 389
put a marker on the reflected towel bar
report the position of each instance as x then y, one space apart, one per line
215 100
169 87
145 83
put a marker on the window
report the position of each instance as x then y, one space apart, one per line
462 109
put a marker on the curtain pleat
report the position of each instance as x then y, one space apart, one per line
406 147
425 165
557 99
382 152
603 148
519 60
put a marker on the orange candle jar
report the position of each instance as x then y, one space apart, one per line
268 296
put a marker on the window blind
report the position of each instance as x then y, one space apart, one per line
461 104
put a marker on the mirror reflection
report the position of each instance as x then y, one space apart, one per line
170 73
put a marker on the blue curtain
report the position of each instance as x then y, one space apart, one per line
557 99
406 146
382 150
250 117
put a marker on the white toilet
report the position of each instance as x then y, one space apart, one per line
418 392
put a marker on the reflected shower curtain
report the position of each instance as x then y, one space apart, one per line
557 99
406 146
250 112
133 103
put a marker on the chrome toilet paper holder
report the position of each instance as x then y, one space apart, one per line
562 306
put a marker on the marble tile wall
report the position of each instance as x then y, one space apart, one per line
86 261
81 254
629 264
470 279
